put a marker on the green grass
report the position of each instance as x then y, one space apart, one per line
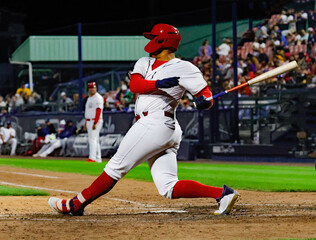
13 191
249 177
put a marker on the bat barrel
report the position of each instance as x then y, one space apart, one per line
274 72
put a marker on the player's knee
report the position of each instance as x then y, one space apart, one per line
166 190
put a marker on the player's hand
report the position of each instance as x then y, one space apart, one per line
94 126
202 103
167 82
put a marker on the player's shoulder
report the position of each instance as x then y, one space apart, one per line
99 96
185 65
144 60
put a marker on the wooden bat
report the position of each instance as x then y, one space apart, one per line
272 73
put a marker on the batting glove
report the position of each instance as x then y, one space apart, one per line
202 103
167 82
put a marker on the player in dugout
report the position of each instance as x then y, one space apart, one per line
160 80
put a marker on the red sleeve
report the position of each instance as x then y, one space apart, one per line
97 115
140 85
206 92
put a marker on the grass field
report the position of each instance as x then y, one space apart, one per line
247 177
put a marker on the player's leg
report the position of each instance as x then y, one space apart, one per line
13 143
1 143
144 140
93 141
164 173
98 151
52 146
43 149
137 146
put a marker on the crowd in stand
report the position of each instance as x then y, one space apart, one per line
289 35
284 37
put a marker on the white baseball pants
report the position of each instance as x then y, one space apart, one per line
94 140
50 147
154 138
13 143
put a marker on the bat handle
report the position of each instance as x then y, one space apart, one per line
213 97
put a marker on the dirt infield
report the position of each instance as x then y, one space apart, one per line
134 210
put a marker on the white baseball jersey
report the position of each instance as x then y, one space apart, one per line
155 137
167 99
7 132
94 102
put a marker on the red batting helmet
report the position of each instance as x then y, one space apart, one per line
92 85
162 36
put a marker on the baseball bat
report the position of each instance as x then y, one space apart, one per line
262 77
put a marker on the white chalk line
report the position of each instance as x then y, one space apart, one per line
144 205
30 174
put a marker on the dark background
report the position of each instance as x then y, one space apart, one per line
126 17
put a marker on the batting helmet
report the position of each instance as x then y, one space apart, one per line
162 36
92 84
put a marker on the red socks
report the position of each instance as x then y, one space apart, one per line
183 189
193 189
103 184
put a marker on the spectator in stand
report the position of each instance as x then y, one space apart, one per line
35 98
312 18
3 104
19 99
262 57
290 37
65 99
304 36
248 36
205 51
7 136
297 38
283 40
283 21
292 22
58 142
23 89
224 48
301 21
310 41
264 32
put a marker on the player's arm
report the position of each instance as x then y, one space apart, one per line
98 112
1 136
138 84
192 80
200 101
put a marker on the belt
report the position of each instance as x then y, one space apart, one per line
167 114
88 119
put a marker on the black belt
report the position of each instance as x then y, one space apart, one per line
167 114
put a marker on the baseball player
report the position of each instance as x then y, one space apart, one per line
7 136
160 80
94 122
